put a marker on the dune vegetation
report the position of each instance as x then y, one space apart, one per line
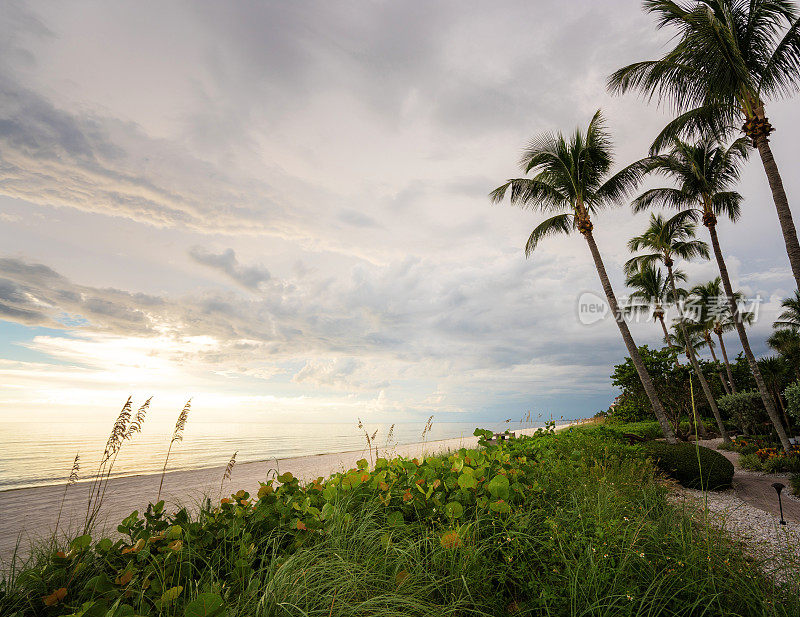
575 522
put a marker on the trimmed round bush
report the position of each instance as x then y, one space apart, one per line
693 466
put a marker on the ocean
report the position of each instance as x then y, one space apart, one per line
38 454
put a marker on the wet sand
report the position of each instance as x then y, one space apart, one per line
29 514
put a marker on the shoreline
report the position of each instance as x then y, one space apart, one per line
29 514
135 474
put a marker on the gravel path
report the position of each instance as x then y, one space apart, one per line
749 513
775 546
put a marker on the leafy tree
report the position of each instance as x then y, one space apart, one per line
572 179
730 57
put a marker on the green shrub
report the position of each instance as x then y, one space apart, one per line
794 480
693 466
745 408
750 462
792 394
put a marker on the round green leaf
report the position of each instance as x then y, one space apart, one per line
454 510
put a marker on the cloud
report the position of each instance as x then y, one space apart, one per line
249 277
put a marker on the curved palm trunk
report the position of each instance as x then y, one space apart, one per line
695 364
781 205
727 362
716 361
667 337
748 353
644 376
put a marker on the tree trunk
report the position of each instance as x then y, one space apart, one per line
668 338
727 363
782 206
644 376
748 353
693 360
709 342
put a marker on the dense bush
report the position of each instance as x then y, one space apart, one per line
746 409
792 395
692 465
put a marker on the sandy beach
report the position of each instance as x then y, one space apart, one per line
29 514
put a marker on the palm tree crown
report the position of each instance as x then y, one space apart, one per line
705 173
730 55
790 317
665 240
571 177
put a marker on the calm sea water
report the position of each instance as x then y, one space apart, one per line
41 454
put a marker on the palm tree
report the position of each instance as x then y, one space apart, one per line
664 241
706 298
723 320
650 285
775 371
689 342
730 56
571 179
787 343
790 317
705 173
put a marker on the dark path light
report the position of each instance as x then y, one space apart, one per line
778 488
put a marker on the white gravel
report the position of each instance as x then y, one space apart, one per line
776 547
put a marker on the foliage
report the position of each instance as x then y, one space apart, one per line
542 525
746 409
772 460
692 465
794 480
792 394
671 382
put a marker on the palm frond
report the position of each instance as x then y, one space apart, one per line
559 224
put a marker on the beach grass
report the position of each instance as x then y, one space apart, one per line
574 523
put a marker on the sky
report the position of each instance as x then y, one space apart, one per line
280 209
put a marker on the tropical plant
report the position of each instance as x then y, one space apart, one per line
651 286
663 241
776 373
790 317
704 173
572 179
715 311
731 56
712 315
787 343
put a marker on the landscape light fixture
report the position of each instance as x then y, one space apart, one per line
778 488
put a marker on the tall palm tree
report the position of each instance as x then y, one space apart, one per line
712 298
711 318
730 57
689 342
572 179
651 286
664 241
775 371
704 173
